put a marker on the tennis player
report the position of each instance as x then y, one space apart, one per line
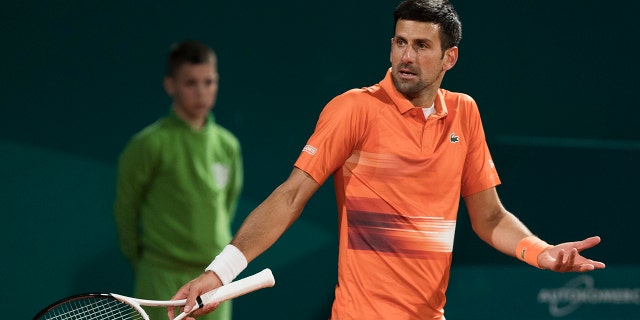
401 152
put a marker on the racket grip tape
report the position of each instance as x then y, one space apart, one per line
262 279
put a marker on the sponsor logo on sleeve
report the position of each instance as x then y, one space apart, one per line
309 149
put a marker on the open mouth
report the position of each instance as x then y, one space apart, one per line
406 73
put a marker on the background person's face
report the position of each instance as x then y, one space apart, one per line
194 89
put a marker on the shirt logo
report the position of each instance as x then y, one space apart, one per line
310 149
453 138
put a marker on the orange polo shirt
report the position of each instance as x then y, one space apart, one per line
398 181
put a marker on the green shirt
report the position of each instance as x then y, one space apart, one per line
177 193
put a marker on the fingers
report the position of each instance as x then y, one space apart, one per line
589 264
189 292
207 308
571 259
593 265
559 261
172 315
566 257
573 262
192 295
588 243
181 294
563 265
586 268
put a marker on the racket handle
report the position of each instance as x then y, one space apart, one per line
262 279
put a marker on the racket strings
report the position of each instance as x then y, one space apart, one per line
93 308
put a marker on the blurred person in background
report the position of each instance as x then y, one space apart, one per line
178 184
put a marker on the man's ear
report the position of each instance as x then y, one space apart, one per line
169 85
450 58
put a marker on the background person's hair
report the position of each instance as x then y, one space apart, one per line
191 52
440 12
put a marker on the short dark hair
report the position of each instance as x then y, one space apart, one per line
440 12
192 52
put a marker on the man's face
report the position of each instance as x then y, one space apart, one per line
194 89
417 61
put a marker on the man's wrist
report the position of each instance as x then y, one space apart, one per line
530 248
228 264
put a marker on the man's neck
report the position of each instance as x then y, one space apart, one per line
424 100
194 122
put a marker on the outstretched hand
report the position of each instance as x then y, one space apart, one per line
565 257
194 288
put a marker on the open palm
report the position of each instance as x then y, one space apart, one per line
566 257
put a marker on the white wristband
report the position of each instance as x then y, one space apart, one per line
228 264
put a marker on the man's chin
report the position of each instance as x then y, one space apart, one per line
405 87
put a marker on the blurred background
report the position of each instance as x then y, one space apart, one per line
556 85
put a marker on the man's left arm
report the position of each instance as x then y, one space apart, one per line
506 233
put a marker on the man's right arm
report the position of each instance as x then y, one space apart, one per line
264 225
273 216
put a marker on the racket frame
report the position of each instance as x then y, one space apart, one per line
262 279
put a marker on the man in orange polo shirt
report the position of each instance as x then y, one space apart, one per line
401 152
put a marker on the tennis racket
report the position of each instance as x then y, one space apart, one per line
111 306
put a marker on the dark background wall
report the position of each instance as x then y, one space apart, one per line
556 85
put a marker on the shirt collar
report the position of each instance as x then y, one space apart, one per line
210 119
403 104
